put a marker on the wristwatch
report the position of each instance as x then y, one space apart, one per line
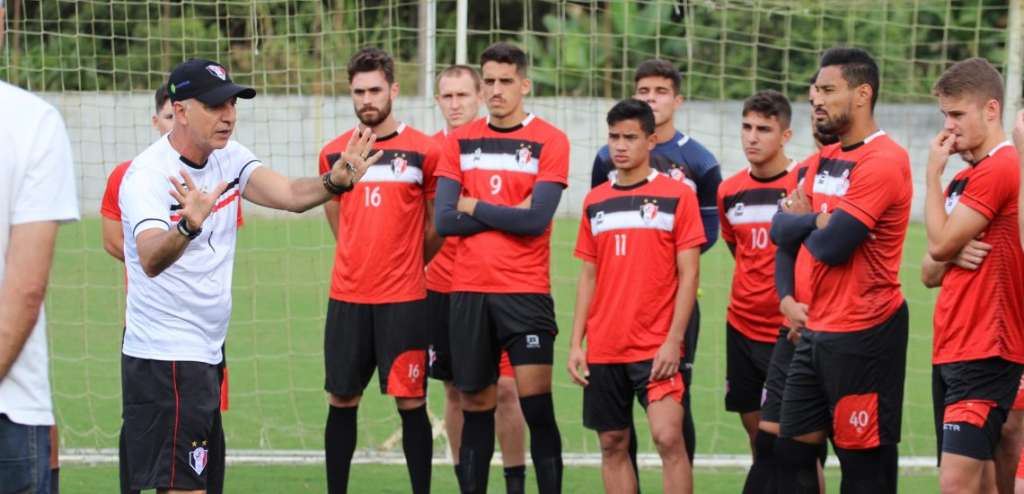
184 230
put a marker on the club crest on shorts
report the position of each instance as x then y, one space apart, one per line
217 72
198 457
399 164
523 155
532 341
649 210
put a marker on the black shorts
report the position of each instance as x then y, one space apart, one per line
848 384
971 401
482 324
775 379
171 435
746 366
608 399
389 338
440 354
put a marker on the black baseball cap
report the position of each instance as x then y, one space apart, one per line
206 81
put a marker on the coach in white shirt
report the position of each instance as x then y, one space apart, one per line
37 192
179 203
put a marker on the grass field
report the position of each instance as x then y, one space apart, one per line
276 366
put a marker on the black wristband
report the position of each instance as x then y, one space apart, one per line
184 230
334 188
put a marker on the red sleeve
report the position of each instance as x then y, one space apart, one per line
449 164
990 187
431 160
586 247
726 228
109 207
875 184
554 161
689 228
326 167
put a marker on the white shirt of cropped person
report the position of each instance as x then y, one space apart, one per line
182 313
37 183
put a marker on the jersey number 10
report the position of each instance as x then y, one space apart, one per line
759 238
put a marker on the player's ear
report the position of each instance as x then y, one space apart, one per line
863 93
677 101
652 141
526 86
786 136
394 91
993 110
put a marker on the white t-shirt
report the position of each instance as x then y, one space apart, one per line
182 313
37 183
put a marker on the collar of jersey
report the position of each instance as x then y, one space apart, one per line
773 178
650 178
866 140
526 121
999 146
398 130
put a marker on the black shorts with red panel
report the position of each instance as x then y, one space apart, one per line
608 398
971 400
391 339
849 384
483 325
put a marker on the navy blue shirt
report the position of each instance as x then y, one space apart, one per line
686 160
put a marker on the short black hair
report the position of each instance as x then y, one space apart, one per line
371 59
657 67
505 52
161 97
770 103
632 109
857 68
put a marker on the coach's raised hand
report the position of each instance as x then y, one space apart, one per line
196 204
356 158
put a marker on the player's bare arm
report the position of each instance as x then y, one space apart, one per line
113 238
271 189
947 234
666 361
577 364
969 258
29 256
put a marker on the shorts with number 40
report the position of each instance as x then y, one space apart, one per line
848 384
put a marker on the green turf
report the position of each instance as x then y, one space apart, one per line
282 274
392 479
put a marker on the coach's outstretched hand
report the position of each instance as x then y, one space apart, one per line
356 153
196 204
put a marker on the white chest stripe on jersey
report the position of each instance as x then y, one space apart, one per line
745 215
831 186
498 162
385 173
623 220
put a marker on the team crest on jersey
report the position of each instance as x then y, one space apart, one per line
399 164
676 173
198 457
217 72
523 155
649 210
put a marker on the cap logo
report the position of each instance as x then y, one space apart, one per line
217 71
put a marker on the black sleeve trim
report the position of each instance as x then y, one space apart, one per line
150 219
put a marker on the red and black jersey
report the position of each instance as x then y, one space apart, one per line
870 181
746 206
439 271
632 234
501 166
980 314
379 254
